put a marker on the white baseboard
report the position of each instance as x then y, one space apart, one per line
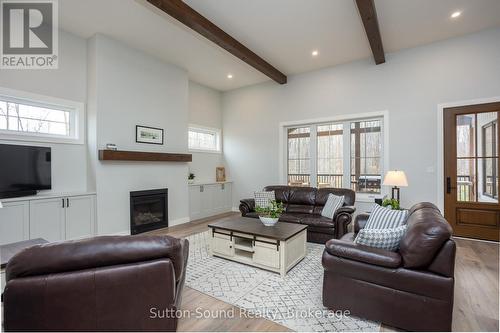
182 220
235 209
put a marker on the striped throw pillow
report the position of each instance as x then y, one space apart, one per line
333 203
387 239
385 218
263 199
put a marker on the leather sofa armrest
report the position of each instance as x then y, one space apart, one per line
363 253
101 251
346 210
342 219
247 206
360 221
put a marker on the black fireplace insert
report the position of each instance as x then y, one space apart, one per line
148 210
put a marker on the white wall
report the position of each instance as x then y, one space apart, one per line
69 81
409 85
128 88
205 109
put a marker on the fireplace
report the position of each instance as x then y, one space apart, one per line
148 210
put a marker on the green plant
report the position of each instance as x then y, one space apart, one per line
274 210
191 176
393 203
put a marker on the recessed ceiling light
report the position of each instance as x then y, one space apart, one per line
229 76
315 53
456 14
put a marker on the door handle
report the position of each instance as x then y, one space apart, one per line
63 202
448 185
67 202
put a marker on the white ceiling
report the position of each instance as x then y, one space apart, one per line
283 32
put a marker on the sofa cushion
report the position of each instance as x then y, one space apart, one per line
358 252
299 209
385 218
317 221
333 203
387 239
302 196
322 195
282 193
293 218
426 233
263 199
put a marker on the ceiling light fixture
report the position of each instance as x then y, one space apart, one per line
315 53
456 14
229 76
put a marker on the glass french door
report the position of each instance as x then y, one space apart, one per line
471 170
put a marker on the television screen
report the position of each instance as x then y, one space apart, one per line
24 169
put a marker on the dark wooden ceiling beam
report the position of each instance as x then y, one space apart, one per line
194 20
370 21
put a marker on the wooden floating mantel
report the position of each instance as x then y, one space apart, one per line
122 155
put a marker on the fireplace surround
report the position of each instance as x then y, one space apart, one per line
148 210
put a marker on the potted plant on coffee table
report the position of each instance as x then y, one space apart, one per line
270 215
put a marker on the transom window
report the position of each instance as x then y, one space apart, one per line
204 139
26 116
340 154
19 117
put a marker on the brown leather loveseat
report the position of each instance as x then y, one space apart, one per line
410 289
304 205
109 283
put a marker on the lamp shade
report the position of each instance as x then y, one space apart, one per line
395 178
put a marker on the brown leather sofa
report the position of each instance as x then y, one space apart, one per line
109 283
411 289
304 205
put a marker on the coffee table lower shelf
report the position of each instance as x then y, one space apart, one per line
270 254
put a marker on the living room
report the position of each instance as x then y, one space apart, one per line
332 168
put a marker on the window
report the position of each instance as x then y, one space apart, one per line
346 154
204 139
299 163
37 118
330 155
490 160
366 151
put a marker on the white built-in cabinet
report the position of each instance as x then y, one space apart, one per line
209 199
54 218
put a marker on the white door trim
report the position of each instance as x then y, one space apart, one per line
440 140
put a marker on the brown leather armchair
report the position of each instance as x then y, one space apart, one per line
304 205
410 289
109 283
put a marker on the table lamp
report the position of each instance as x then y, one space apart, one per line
395 178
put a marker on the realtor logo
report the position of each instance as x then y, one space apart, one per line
29 36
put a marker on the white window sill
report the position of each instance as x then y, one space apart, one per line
205 151
31 137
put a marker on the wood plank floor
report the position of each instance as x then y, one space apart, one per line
476 305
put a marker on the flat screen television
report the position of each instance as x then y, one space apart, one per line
24 170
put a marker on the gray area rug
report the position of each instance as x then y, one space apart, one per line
294 302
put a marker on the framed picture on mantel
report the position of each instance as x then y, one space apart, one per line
220 174
145 134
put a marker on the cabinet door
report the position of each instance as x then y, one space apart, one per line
14 222
207 200
228 198
47 219
266 254
194 202
219 198
80 217
221 244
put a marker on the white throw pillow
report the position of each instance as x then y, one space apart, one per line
387 239
333 203
385 218
263 198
